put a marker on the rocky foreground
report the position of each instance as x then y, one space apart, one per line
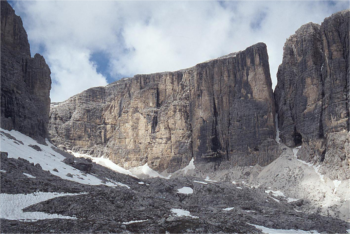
122 203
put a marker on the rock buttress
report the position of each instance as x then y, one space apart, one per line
218 110
312 94
25 81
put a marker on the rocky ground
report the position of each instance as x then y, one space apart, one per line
177 205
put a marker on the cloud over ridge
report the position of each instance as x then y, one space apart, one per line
140 37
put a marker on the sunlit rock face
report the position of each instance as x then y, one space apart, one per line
219 110
312 94
25 81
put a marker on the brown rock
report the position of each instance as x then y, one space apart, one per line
218 110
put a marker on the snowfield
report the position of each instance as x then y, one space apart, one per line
48 159
12 206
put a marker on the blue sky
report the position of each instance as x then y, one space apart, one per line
93 43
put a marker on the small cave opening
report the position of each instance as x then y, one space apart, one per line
298 139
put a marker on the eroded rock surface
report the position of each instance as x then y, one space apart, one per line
312 94
218 110
25 81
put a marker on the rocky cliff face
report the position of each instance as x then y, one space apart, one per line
218 110
25 81
312 94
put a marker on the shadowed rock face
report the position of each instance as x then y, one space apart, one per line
25 81
218 110
312 94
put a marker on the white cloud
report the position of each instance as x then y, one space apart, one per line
144 37
72 72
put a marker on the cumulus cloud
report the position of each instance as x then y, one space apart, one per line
145 37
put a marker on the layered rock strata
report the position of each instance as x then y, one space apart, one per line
312 94
25 81
218 110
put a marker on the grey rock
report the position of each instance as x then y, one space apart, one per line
83 166
4 154
312 93
25 81
217 111
36 147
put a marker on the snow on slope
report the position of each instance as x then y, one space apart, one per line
283 231
12 206
106 162
47 158
138 172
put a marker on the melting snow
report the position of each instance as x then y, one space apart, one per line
228 208
12 206
135 221
181 212
282 231
190 166
146 170
106 162
29 176
47 158
185 190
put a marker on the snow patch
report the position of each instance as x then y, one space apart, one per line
185 190
295 151
118 183
29 176
199 182
141 182
277 130
282 231
239 187
12 206
228 208
181 212
280 194
275 193
289 199
3 171
134 221
190 166
146 170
